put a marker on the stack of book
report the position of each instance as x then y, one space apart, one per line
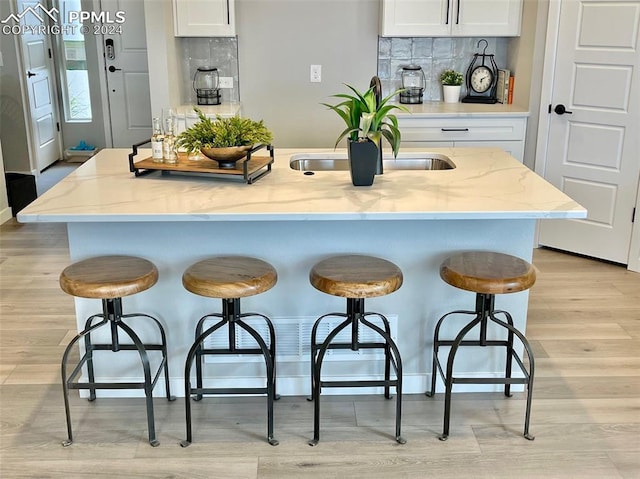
504 92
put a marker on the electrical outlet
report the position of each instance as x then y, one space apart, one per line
316 74
225 82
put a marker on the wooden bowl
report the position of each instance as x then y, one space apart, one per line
226 157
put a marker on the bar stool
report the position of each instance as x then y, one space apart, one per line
355 277
486 274
109 278
230 278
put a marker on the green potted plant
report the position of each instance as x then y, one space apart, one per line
225 140
368 121
451 84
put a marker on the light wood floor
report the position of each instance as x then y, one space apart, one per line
584 325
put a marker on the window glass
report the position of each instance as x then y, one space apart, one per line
73 68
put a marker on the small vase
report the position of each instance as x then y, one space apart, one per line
451 93
363 161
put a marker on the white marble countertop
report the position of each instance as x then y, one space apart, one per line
461 110
487 183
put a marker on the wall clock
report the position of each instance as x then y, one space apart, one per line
482 77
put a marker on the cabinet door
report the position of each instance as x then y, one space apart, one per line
439 18
204 18
412 18
494 17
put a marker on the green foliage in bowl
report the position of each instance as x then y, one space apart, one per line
451 77
223 132
366 119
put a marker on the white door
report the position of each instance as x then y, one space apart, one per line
127 74
39 74
592 150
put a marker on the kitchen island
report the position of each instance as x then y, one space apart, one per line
489 201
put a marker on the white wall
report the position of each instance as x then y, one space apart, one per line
13 130
526 56
279 40
163 50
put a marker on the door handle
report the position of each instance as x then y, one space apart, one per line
29 74
561 110
113 69
454 129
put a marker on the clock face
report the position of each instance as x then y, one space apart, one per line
481 79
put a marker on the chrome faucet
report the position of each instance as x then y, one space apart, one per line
377 91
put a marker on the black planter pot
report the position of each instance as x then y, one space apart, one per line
363 161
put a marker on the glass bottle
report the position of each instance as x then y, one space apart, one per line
157 140
170 154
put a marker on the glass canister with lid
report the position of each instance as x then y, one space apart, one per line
413 84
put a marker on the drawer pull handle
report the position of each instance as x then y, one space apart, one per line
454 129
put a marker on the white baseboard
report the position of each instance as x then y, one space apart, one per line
5 215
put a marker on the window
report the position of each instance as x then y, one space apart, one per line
73 66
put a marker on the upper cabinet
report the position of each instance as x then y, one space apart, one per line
459 18
204 18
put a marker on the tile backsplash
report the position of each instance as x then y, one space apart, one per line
434 55
219 52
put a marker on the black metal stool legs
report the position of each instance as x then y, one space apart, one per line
112 315
354 317
232 317
484 313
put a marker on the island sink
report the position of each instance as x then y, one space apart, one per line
339 162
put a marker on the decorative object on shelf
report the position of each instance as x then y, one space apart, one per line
248 169
413 83
157 140
226 157
368 119
206 85
169 148
482 77
225 140
451 84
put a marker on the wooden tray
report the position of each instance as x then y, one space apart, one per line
248 169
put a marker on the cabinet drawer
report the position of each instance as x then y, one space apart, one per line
456 129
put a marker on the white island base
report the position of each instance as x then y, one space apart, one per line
417 247
290 219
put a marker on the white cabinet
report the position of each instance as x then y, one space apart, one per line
204 18
507 133
461 18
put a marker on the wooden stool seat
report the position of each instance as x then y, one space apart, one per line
229 277
106 277
488 272
356 276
